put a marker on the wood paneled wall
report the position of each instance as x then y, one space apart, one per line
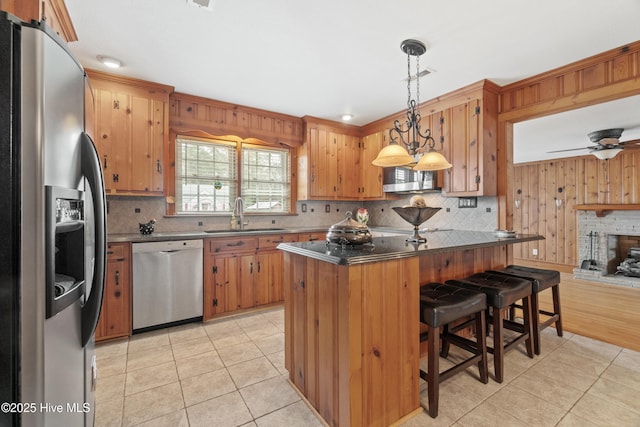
574 181
611 75
190 113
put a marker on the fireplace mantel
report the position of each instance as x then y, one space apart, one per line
602 209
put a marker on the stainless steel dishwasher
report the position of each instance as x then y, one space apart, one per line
167 282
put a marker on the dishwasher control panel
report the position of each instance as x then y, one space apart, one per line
166 245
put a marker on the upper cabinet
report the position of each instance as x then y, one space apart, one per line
464 125
335 163
131 131
370 175
53 12
471 124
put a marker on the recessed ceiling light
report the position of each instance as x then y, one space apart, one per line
109 61
202 4
347 117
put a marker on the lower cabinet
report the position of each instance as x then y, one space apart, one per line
221 284
115 316
242 274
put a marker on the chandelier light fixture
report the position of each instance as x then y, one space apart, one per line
411 136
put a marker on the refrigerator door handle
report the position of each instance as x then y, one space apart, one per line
92 171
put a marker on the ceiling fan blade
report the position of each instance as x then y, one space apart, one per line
572 149
630 144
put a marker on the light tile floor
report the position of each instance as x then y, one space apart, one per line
230 372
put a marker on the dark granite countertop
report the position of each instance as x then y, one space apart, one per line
190 235
395 247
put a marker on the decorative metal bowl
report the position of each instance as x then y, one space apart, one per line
415 217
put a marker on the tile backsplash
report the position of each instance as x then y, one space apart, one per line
126 212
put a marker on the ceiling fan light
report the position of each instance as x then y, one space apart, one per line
607 153
432 161
393 155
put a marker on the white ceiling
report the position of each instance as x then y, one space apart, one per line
326 58
534 138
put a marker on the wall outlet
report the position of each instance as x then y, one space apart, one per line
136 210
534 252
327 208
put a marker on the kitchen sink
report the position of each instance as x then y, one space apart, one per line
246 230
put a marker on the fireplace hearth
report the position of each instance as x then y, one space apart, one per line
609 248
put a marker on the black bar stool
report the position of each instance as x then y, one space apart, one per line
441 304
502 291
540 280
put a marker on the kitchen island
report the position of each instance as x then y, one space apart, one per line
352 344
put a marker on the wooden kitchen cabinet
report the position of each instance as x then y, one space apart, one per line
223 274
349 182
471 124
220 284
318 160
312 237
269 288
243 273
333 164
115 315
131 128
53 12
370 175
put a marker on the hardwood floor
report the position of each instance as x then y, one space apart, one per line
604 312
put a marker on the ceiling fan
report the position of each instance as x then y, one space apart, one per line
607 144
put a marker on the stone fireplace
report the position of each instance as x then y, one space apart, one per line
604 243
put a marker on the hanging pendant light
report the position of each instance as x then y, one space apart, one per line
411 136
432 161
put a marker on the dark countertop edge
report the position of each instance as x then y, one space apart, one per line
364 259
190 235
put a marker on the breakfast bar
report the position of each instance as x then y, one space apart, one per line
352 327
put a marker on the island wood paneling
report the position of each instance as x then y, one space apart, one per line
190 113
348 348
456 265
352 332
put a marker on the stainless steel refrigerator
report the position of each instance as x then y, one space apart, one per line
52 232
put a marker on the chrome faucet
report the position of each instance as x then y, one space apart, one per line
238 211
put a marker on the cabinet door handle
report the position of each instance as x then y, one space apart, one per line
258 266
158 167
104 162
302 284
239 243
117 277
251 268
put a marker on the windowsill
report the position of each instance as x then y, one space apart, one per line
228 214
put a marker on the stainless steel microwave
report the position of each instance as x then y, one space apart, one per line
405 180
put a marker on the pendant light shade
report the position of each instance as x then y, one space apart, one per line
393 155
409 134
432 161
